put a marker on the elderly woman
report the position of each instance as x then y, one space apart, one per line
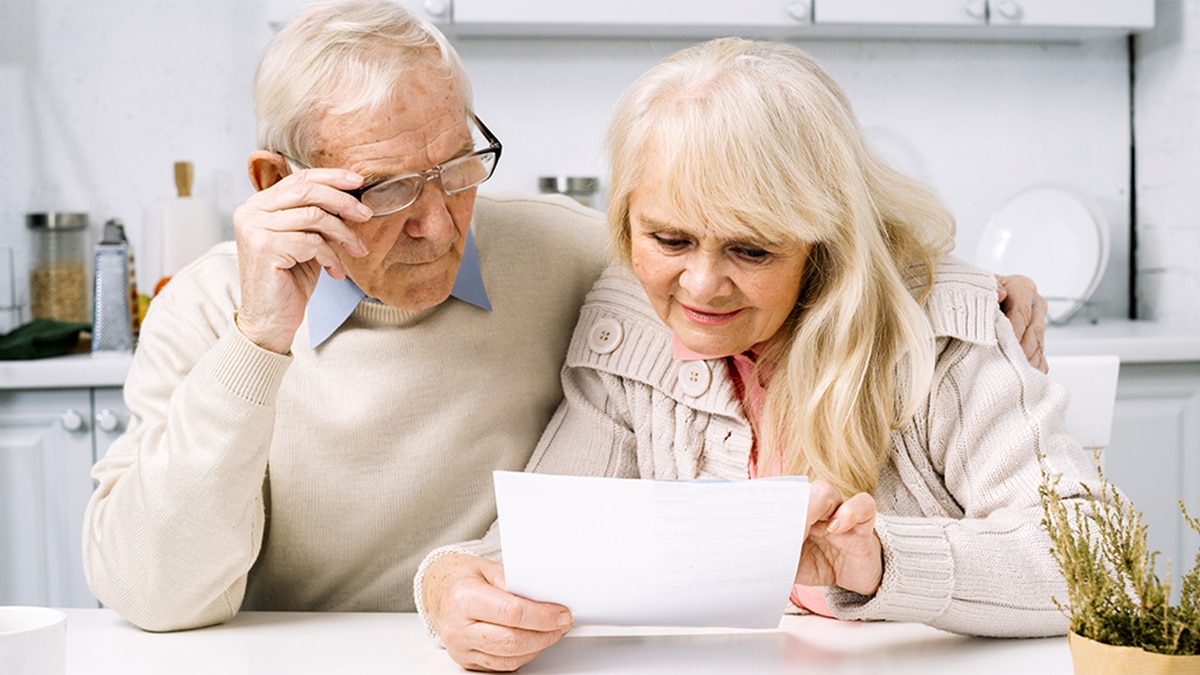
795 311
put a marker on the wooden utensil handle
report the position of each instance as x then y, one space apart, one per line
183 178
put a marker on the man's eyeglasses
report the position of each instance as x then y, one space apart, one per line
460 174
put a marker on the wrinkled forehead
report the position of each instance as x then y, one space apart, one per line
425 114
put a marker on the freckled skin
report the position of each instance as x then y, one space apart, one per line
414 255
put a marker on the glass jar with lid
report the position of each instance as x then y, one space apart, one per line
58 267
582 189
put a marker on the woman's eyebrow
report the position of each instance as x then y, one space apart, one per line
661 225
754 243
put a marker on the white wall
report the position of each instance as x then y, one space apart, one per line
98 98
1167 129
978 120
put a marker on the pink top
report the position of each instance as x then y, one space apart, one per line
753 393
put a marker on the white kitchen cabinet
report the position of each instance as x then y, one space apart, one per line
1154 454
1122 14
799 19
627 17
902 12
436 12
49 439
776 19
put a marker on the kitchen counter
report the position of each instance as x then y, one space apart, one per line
66 372
1133 341
101 642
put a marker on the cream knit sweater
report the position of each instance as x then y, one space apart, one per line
958 499
318 480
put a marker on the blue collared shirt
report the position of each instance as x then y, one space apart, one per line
333 301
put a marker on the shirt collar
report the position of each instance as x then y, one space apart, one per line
333 300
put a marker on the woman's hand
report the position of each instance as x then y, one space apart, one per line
840 547
483 626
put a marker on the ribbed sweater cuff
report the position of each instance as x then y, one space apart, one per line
918 575
245 369
488 547
419 585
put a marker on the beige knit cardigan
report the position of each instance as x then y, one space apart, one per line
958 497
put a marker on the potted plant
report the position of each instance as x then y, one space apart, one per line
1122 620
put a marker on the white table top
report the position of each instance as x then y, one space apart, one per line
100 642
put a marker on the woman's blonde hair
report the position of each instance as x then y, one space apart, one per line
755 139
342 58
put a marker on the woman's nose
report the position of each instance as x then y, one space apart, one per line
704 277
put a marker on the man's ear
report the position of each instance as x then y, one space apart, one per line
266 169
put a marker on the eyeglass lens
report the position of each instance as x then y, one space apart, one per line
457 175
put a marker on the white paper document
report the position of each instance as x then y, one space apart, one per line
631 552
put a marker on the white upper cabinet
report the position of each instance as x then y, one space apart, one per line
627 17
902 12
859 19
1123 14
437 12
997 16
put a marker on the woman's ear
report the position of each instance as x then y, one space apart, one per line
266 169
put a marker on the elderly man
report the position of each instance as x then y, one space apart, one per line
321 404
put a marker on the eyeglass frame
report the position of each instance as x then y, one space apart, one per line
494 146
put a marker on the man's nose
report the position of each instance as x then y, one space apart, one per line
429 217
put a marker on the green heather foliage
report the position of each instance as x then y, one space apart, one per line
1113 594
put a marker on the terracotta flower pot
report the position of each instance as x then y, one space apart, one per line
1096 658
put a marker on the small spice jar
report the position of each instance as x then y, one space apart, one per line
58 272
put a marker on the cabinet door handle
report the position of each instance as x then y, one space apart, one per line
800 10
71 420
108 420
976 9
1009 10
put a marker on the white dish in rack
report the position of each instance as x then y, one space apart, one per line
1053 234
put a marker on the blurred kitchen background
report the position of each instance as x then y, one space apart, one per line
983 99
99 98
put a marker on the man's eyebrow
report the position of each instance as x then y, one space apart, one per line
370 180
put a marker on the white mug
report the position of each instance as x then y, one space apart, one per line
33 641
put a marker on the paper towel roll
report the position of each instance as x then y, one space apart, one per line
189 225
